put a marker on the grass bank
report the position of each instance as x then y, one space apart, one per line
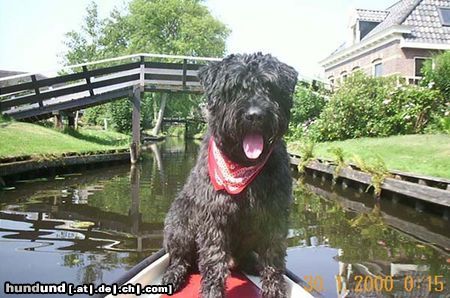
18 139
421 154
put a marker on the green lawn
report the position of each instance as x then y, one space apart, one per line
18 138
422 154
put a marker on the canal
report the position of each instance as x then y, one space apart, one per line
92 225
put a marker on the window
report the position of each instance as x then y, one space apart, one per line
377 68
344 75
444 13
418 64
331 80
356 68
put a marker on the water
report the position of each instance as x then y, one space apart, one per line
92 226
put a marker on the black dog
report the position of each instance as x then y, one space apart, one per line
237 198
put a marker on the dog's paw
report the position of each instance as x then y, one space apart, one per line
277 290
214 291
175 275
273 284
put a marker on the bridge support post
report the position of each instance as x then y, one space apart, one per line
133 212
58 123
71 121
136 125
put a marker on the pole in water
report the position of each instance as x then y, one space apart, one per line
134 155
136 125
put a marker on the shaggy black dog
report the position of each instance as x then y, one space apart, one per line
249 98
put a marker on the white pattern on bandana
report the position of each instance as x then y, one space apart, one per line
228 175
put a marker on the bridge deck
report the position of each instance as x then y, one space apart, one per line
26 97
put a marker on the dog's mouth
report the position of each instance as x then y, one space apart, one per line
253 145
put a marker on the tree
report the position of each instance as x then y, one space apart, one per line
183 27
178 27
84 46
159 118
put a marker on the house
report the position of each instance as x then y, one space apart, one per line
395 41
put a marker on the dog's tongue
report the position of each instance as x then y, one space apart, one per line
253 145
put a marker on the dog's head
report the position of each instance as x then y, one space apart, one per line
249 101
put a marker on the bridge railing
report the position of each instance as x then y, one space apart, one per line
23 93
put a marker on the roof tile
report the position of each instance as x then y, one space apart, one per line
422 15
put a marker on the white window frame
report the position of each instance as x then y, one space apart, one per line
441 17
375 63
415 59
331 80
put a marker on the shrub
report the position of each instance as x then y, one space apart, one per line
371 107
95 115
411 109
175 131
437 74
307 106
351 110
120 113
196 130
439 125
4 118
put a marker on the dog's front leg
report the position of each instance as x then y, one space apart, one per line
271 258
213 256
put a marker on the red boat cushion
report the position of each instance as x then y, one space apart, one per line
237 286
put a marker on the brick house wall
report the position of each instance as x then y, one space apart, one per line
408 59
401 38
389 54
395 61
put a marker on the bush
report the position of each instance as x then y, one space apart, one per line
439 125
120 113
307 106
95 115
351 110
371 107
438 76
4 118
196 130
411 110
175 131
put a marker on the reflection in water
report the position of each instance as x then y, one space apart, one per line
90 226
94 225
342 241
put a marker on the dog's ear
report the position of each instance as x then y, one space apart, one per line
288 78
207 75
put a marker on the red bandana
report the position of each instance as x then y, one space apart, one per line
228 175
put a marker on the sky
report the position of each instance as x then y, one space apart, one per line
298 32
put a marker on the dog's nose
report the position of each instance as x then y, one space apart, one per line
254 114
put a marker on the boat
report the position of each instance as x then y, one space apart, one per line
148 273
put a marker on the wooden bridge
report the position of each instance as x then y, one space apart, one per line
25 97
34 97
